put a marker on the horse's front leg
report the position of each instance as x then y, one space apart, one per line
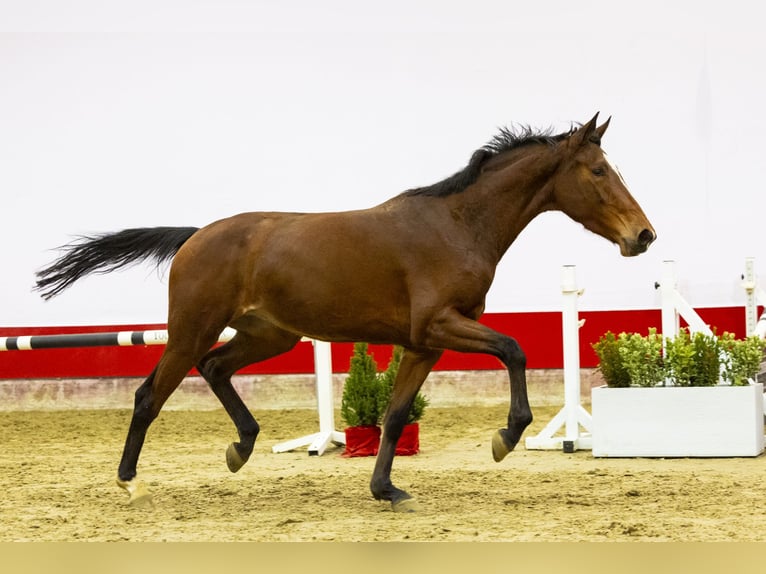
459 333
520 414
413 370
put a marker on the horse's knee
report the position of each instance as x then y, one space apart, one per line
393 426
395 419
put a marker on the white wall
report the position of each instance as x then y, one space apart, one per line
179 113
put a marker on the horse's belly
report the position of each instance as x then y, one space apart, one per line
341 318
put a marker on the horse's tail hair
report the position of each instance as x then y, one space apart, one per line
107 252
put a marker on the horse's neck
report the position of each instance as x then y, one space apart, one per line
504 200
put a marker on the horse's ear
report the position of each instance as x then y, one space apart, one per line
602 128
587 133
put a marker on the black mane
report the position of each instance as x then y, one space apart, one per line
505 140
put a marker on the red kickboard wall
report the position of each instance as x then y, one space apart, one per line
539 334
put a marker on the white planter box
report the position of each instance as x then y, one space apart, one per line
678 421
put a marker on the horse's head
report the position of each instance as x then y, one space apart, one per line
590 190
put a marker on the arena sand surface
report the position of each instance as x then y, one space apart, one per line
58 471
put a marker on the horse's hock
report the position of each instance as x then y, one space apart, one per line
266 392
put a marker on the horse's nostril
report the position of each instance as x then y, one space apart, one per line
646 237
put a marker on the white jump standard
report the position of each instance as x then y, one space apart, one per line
573 416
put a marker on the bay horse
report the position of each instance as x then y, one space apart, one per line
413 271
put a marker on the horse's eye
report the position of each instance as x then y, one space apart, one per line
599 171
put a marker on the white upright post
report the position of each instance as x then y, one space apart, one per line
573 415
751 307
325 402
318 442
670 318
570 326
754 296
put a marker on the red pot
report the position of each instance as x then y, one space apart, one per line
365 441
362 441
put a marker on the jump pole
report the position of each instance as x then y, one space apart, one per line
75 340
317 442
572 416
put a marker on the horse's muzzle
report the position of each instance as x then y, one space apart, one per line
632 247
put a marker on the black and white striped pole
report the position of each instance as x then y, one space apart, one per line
74 340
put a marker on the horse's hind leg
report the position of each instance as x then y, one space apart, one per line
173 366
260 342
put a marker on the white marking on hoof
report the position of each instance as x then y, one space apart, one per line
406 505
140 497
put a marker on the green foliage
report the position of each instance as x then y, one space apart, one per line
679 359
386 378
742 358
642 358
707 358
361 400
693 360
696 360
608 350
366 393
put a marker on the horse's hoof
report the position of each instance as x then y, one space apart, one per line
140 497
405 505
499 448
233 460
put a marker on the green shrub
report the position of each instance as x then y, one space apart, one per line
693 360
630 359
742 359
610 364
642 358
679 359
361 401
707 358
697 360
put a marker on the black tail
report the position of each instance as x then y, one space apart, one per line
109 251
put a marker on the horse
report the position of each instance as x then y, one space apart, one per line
413 271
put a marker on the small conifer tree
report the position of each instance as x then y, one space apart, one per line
361 401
